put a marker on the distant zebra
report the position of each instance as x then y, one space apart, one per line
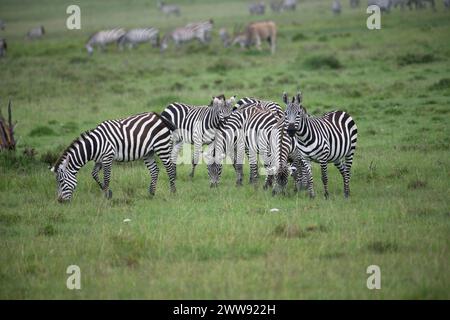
2 25
289 5
169 9
196 125
3 47
103 38
224 37
420 4
329 138
140 136
134 37
198 30
258 8
336 7
276 6
447 4
36 33
354 3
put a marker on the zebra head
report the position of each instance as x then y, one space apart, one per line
294 113
223 107
279 162
66 180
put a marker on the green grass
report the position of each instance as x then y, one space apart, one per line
225 243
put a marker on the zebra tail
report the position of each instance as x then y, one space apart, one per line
169 124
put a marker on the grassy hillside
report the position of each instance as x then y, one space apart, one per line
225 243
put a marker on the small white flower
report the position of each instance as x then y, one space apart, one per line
126 220
274 210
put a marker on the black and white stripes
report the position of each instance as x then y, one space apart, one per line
196 30
137 137
102 38
134 37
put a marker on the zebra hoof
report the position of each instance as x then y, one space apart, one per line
213 185
108 194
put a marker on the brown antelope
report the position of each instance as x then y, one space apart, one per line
257 32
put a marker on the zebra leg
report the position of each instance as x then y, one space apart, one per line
345 176
269 182
252 159
171 169
107 164
323 167
195 158
154 170
95 171
239 173
308 171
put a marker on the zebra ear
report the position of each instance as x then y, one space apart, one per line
299 97
285 98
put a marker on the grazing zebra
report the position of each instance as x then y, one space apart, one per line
104 37
198 30
336 7
140 136
36 33
354 3
135 36
196 125
329 138
3 47
169 9
258 8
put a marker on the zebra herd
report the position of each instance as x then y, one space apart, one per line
285 141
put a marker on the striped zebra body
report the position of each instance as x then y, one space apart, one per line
330 138
169 9
270 106
3 47
196 125
102 38
198 30
36 33
134 37
258 8
140 136
254 132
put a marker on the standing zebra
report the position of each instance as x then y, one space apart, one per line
330 138
102 38
169 9
3 47
36 33
354 3
135 36
258 8
198 30
140 136
336 7
289 5
196 125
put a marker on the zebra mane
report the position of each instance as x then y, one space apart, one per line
66 151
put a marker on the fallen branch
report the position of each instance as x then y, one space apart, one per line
7 140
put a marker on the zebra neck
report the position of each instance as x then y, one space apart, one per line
304 131
79 154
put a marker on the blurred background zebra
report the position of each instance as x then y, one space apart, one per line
141 136
3 47
289 5
224 37
169 9
336 7
257 8
197 30
134 37
329 138
102 38
384 5
36 33
447 4
354 3
2 25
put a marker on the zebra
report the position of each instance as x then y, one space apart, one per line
258 8
398 3
102 38
276 6
329 138
354 3
2 25
196 125
447 4
224 37
169 9
3 47
336 7
254 132
36 33
135 36
198 30
141 136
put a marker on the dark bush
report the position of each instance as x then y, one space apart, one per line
320 62
415 58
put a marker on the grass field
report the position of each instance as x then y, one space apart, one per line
225 243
